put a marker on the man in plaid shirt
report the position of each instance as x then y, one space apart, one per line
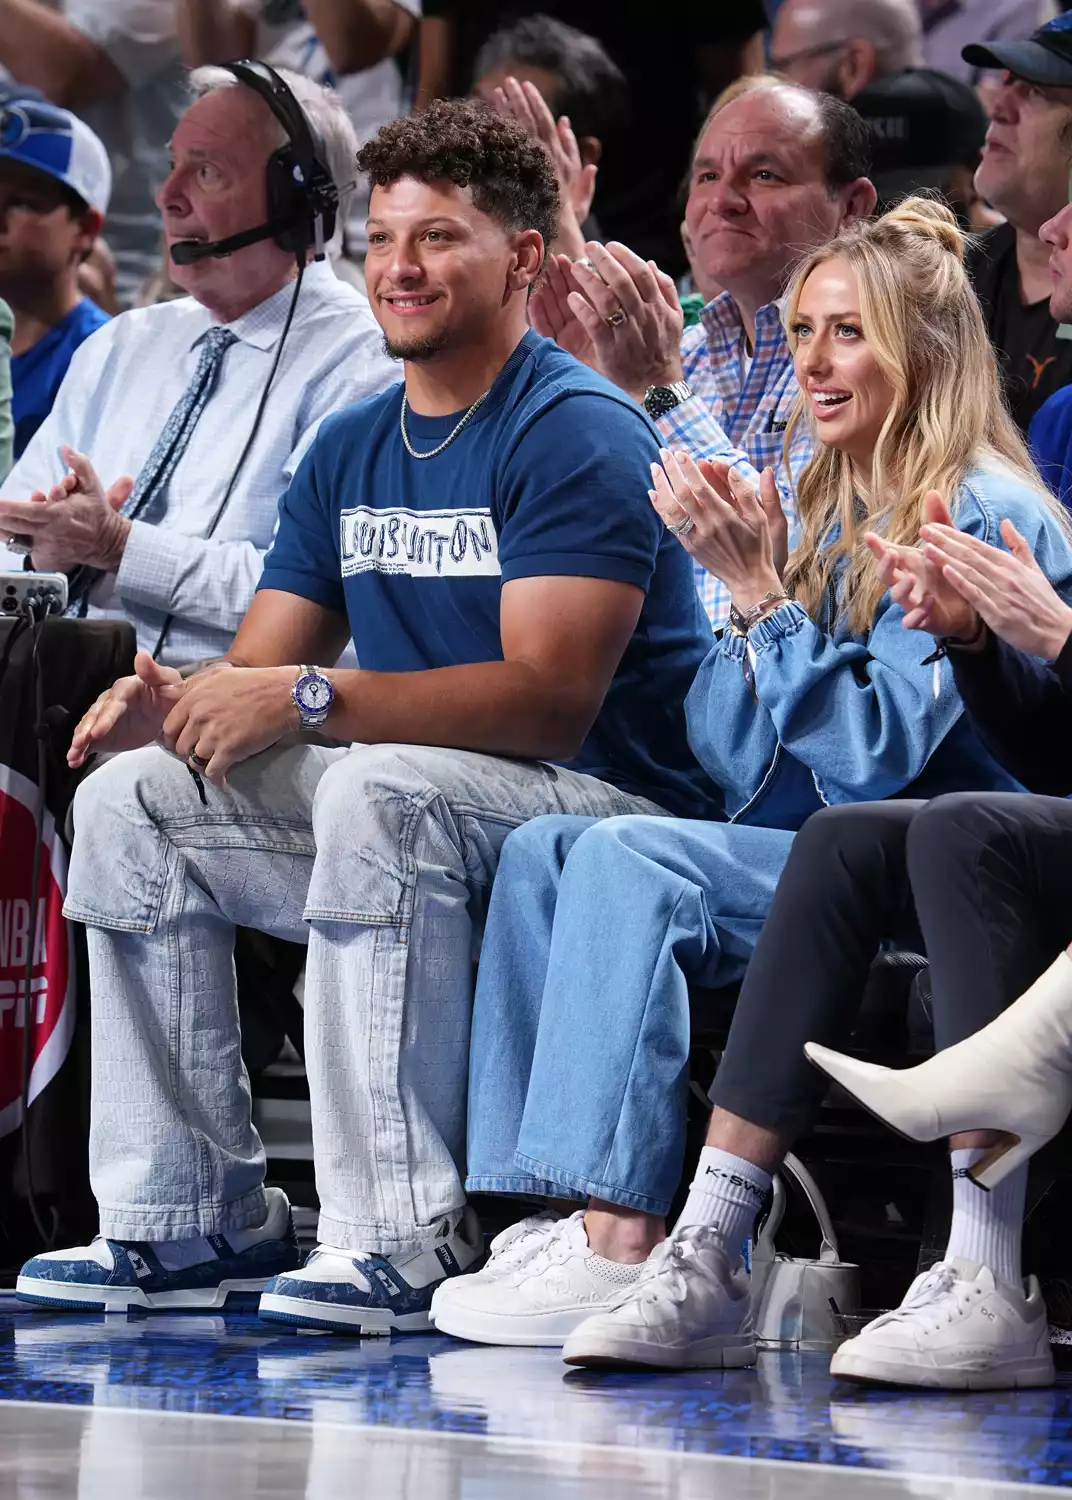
777 170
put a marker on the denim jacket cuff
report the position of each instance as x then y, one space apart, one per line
788 620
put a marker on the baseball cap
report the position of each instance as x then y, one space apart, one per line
1045 58
53 141
10 90
923 124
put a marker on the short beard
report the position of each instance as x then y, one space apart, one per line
418 349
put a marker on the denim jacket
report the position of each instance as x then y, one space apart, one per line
842 717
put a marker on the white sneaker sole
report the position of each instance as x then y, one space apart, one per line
1010 1375
378 1322
724 1351
536 1331
73 1296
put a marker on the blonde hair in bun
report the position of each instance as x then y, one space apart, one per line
930 219
924 326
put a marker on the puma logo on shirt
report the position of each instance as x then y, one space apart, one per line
419 543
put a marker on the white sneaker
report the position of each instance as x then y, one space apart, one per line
348 1292
957 1329
687 1311
540 1301
507 1251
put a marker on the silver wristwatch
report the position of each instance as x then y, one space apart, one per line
659 399
313 696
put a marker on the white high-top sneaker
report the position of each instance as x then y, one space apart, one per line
956 1330
689 1310
1013 1076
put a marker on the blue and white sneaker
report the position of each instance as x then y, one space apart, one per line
374 1294
170 1276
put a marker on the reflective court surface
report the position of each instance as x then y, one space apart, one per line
181 1408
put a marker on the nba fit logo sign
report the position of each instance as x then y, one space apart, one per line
419 543
36 930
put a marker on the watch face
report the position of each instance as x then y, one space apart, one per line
659 400
314 694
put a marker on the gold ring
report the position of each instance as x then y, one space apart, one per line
615 319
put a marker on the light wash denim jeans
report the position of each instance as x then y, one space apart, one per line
580 1037
380 857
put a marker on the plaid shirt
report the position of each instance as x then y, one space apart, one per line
742 422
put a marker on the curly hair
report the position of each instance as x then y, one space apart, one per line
465 142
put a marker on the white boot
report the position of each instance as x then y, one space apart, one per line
1014 1076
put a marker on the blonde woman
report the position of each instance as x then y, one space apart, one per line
817 696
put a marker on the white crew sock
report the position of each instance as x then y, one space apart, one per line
726 1194
987 1226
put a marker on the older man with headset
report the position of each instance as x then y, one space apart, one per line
195 413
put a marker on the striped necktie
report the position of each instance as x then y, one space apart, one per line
155 475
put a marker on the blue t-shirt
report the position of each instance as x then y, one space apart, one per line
549 477
37 374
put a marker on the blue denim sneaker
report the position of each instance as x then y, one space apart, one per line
375 1294
170 1276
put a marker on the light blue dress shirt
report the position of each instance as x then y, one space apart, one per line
120 390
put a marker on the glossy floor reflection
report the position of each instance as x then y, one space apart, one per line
204 1406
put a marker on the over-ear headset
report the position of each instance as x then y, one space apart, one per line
303 198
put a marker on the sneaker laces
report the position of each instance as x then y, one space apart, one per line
663 1276
558 1246
517 1241
936 1299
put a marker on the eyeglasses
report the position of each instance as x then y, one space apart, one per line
780 64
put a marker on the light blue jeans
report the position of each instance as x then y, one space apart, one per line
380 857
580 1037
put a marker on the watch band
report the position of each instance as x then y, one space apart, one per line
311 718
660 399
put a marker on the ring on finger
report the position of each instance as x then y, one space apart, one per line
616 318
588 265
196 762
680 528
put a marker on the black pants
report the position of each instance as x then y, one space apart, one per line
988 879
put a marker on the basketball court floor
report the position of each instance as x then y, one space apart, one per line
191 1407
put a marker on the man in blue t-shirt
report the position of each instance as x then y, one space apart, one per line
526 630
55 182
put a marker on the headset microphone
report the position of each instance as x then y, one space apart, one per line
186 252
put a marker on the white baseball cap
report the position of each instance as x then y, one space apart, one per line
52 140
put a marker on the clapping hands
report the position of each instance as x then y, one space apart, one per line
524 103
955 582
736 534
618 313
78 521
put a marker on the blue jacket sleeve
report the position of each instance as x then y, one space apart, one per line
863 715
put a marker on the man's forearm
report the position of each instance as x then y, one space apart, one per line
38 46
212 31
501 708
358 34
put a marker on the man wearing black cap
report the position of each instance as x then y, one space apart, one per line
927 133
1024 174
